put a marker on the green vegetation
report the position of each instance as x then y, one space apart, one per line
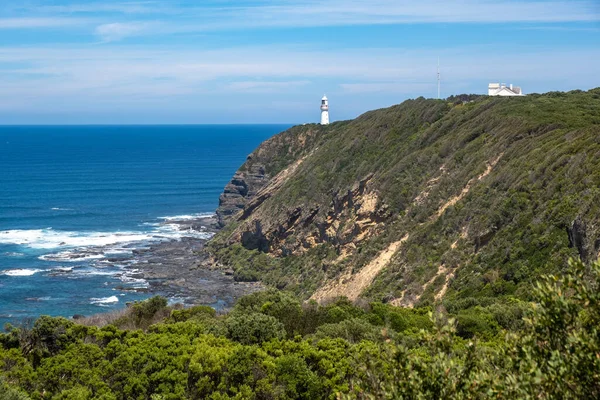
270 346
537 207
524 175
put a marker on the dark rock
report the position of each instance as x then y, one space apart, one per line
484 238
585 238
78 317
244 185
255 240
286 147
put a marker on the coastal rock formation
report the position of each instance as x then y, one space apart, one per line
425 202
244 185
350 218
260 166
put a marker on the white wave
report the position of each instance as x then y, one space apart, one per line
62 269
61 209
21 272
71 256
47 298
189 217
138 282
98 272
104 300
13 254
117 250
176 231
52 239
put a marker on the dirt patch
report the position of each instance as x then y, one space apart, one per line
420 199
467 188
352 286
443 270
368 205
440 295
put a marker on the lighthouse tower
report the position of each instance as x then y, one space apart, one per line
324 111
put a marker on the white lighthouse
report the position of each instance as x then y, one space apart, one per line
324 111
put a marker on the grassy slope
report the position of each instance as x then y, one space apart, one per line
514 221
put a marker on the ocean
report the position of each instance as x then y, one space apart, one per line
75 198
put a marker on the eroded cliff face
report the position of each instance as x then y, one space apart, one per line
269 159
243 186
420 202
350 218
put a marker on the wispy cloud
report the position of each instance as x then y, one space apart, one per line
358 12
120 30
126 71
177 17
137 7
387 87
265 87
560 28
311 13
34 22
147 58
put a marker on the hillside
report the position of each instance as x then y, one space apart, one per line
472 213
466 201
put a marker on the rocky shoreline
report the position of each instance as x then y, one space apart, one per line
179 270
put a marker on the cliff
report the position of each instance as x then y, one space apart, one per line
463 201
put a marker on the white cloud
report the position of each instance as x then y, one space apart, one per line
359 12
223 15
386 87
25 23
120 70
311 13
265 87
118 31
139 7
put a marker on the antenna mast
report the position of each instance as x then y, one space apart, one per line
438 78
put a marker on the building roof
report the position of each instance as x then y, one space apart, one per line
515 89
499 87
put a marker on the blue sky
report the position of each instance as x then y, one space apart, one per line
267 61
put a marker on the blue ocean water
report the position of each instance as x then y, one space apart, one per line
72 196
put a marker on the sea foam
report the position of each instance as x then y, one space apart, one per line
53 239
71 256
104 300
189 217
21 272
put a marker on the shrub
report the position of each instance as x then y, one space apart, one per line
197 312
476 322
353 330
253 328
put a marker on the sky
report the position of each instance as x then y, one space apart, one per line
267 61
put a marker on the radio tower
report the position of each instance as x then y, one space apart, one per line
438 78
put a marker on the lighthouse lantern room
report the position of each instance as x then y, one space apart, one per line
324 111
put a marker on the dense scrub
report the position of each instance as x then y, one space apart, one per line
494 191
270 346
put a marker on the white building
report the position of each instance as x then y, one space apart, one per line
324 111
500 89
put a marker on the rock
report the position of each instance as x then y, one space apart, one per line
255 239
78 317
243 186
286 147
585 238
